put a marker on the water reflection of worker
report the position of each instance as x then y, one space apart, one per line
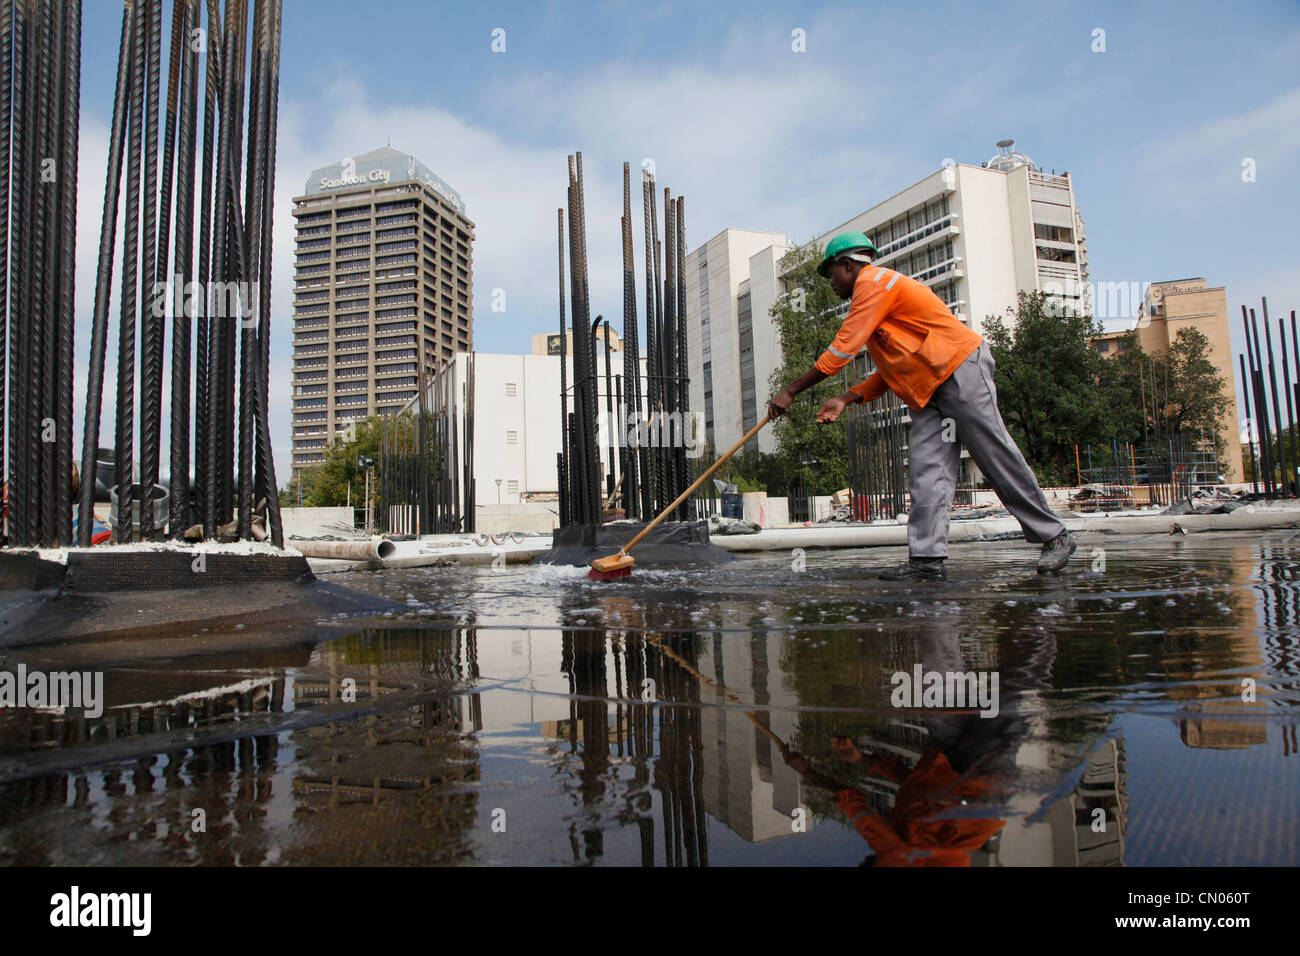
916 832
969 760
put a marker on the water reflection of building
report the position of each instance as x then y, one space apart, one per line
307 779
746 784
1214 715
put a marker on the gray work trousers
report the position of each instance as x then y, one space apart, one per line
965 407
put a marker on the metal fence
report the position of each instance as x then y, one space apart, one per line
875 441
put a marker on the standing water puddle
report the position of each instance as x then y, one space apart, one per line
1142 712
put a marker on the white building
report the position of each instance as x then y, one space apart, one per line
517 421
977 235
732 350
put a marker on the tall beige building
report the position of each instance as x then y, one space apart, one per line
1168 307
383 291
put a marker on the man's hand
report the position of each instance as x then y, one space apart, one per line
797 761
779 403
834 407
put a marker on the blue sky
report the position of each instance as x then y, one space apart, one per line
1154 129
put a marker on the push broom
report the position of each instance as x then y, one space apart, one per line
619 565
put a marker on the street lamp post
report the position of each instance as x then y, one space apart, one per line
367 463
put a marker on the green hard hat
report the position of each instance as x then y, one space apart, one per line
844 242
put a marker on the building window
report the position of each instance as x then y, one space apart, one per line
510 389
512 487
1053 233
1103 346
512 437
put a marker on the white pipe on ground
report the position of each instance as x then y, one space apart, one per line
346 550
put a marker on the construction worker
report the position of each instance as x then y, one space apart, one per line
944 373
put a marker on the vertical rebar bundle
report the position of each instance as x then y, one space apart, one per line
233 468
633 455
1277 471
40 78
645 465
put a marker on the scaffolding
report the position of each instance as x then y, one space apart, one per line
1154 474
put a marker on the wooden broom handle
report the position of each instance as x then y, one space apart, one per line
614 494
695 484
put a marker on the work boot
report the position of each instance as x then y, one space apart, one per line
1056 553
917 569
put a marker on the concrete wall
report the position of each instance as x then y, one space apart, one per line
520 517
310 522
764 511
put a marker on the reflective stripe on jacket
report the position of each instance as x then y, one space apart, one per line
914 340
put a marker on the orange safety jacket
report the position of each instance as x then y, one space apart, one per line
916 833
915 341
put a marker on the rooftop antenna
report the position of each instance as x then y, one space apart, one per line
1006 160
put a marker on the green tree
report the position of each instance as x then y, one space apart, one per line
327 485
1049 383
807 317
1122 383
1192 399
1176 392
